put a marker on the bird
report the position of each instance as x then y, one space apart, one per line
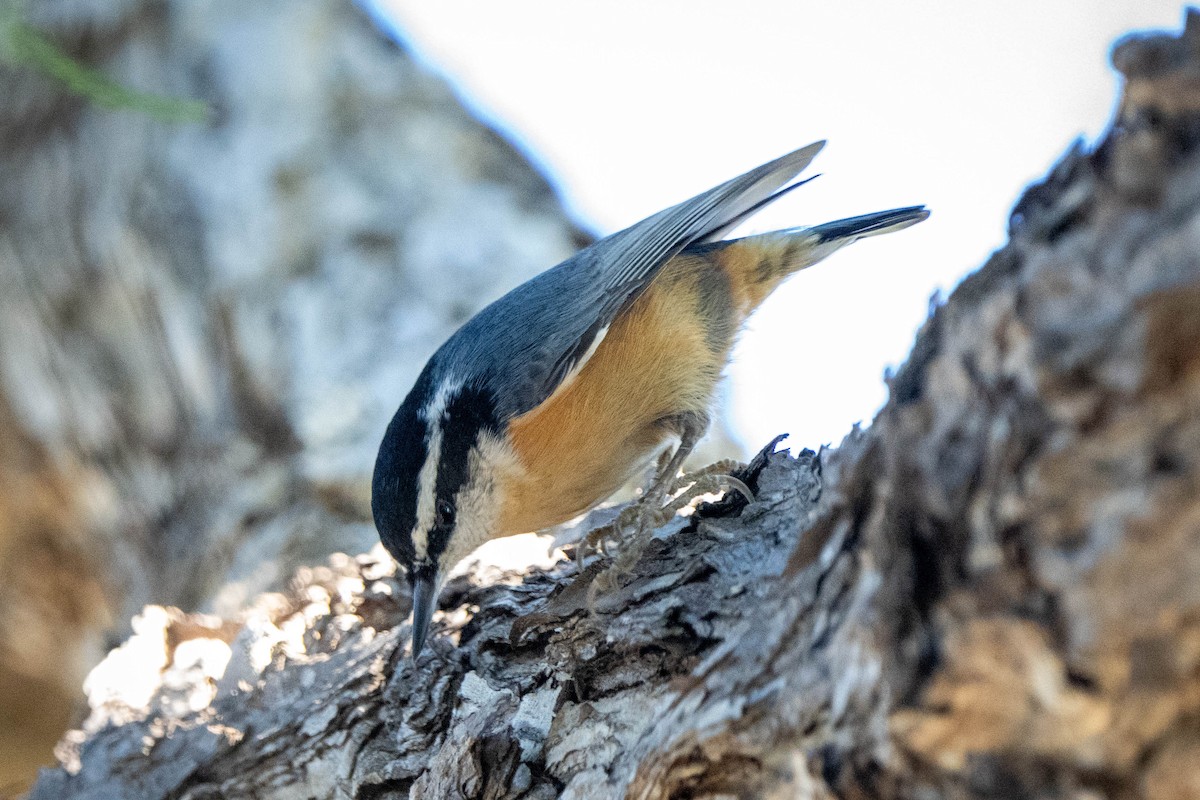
551 398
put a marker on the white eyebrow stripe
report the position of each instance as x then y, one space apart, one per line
433 410
427 492
427 477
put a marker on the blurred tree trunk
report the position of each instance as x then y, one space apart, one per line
993 592
205 325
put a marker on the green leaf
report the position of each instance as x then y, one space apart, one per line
23 45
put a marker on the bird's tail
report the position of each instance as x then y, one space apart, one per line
853 228
757 264
810 245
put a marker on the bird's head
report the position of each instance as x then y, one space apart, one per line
438 486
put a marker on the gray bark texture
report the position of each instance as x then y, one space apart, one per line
204 327
992 592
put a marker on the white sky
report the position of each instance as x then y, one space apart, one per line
633 105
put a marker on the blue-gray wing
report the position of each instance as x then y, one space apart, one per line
521 347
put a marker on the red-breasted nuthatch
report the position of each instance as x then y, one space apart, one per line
551 398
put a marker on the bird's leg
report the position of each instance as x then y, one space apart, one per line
690 427
613 539
649 512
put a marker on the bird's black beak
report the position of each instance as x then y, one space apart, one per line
424 593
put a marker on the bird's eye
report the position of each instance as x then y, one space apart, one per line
445 514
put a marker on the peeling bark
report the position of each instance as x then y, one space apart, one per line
992 592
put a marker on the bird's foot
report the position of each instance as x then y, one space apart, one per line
625 538
654 510
718 478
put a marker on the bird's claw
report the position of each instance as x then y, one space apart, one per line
654 510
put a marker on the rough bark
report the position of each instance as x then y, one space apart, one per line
205 326
992 592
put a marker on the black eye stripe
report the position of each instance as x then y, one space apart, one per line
469 413
394 487
444 514
438 539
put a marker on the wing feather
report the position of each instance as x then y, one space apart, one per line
528 342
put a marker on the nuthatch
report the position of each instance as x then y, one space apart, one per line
551 398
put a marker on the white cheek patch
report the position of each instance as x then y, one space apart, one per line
479 501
